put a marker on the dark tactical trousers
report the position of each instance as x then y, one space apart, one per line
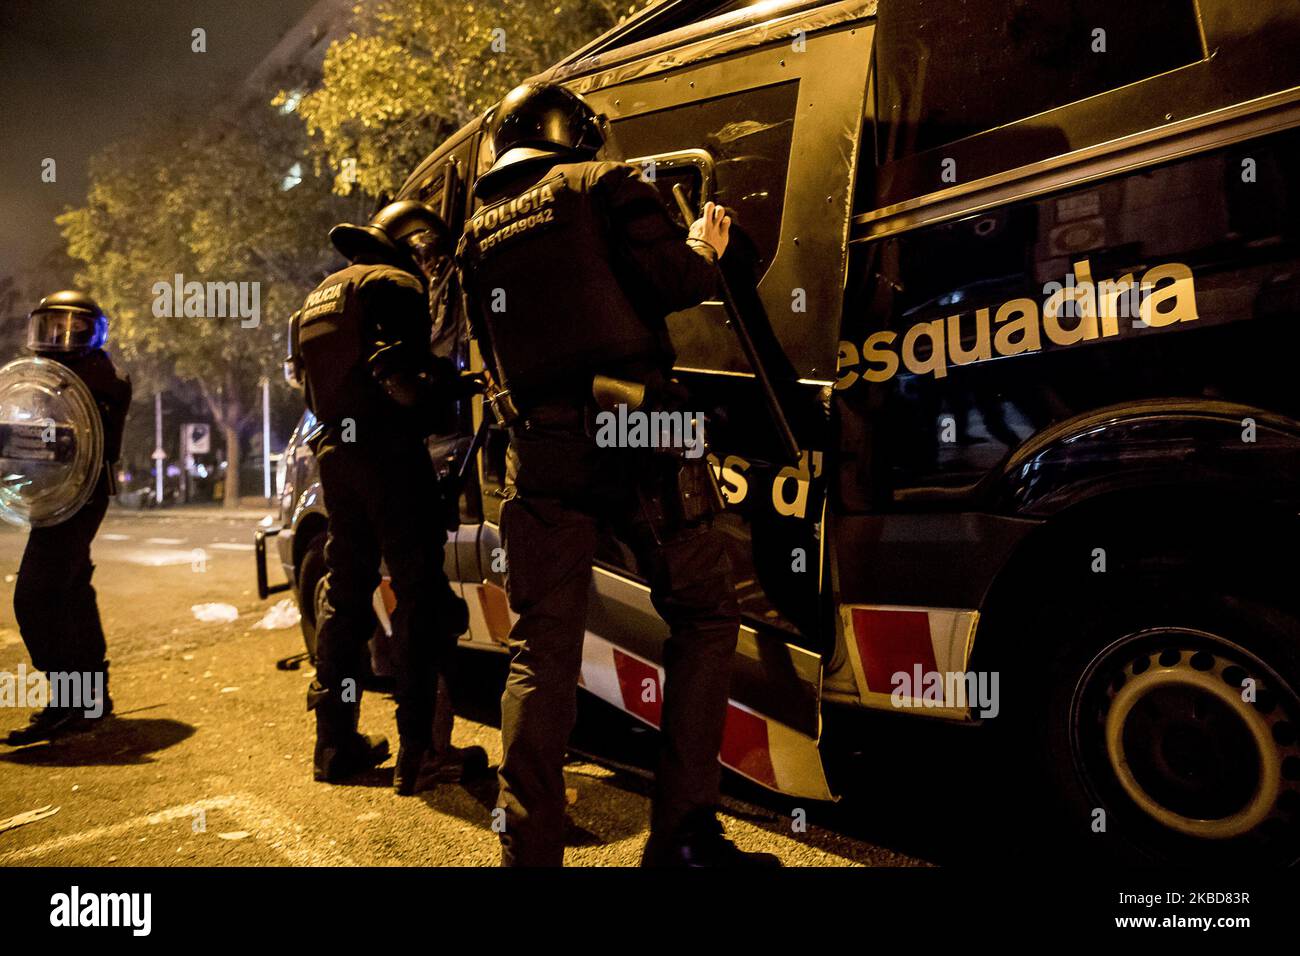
382 501
565 491
54 601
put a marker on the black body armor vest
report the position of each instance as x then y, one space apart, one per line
540 265
336 340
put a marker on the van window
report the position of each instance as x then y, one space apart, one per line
748 136
945 71
431 192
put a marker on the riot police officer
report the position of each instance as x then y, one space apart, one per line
377 391
54 601
569 268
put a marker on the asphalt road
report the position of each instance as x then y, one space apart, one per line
208 759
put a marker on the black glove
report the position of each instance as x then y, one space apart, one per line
470 383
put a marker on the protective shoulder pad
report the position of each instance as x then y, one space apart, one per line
388 275
612 174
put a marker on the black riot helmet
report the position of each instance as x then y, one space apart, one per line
404 234
67 322
539 120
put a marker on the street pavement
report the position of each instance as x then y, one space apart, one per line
208 761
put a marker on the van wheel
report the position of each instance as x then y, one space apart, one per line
311 591
1166 721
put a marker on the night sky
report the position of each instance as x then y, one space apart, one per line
78 74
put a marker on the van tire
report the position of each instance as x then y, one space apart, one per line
1127 692
311 581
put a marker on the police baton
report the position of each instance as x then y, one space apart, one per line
451 484
480 435
734 319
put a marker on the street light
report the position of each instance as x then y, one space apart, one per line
266 438
159 455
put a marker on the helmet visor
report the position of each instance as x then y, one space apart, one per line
60 330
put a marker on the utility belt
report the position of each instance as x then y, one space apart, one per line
675 488
519 408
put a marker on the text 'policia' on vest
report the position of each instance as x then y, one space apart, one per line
360 345
339 329
572 328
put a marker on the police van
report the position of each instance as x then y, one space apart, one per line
1029 276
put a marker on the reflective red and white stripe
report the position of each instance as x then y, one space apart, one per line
885 640
755 746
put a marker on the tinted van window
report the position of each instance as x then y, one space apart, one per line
945 71
748 134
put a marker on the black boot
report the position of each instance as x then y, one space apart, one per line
448 765
415 728
444 762
337 759
54 722
48 723
455 764
410 758
341 751
700 842
107 710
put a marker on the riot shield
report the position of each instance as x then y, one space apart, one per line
51 442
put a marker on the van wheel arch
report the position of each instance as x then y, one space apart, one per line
1209 524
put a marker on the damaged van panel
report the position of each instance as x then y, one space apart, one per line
781 122
753 25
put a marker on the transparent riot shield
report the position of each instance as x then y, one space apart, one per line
51 442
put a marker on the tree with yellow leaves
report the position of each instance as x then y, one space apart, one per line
414 71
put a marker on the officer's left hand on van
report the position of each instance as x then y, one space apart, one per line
714 228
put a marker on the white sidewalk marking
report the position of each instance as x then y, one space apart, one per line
268 824
152 557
